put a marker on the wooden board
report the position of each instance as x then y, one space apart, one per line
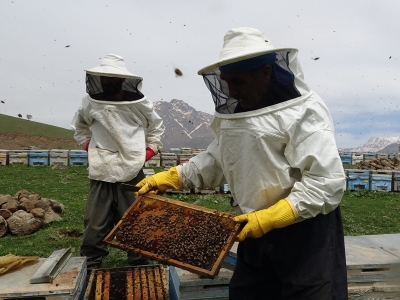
368 260
67 285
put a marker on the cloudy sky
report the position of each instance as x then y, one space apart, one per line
357 42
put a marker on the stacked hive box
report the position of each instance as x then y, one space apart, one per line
358 180
356 158
155 161
38 157
169 160
18 157
381 181
3 157
346 158
78 158
59 156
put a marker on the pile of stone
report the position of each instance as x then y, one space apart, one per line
379 164
25 213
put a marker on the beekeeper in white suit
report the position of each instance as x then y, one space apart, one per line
118 127
275 148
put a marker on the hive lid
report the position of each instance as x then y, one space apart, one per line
183 235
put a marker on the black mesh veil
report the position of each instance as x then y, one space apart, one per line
224 104
131 88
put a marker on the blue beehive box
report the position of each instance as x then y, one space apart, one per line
358 180
78 158
346 158
38 157
381 181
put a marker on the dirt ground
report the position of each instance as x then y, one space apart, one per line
18 141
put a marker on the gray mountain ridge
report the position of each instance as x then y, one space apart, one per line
184 126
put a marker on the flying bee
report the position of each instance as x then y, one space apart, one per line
178 72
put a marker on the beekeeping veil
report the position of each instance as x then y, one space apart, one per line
246 49
113 66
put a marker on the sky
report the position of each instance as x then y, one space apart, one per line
47 44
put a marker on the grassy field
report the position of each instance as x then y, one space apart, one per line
363 212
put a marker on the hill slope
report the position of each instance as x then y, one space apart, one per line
16 133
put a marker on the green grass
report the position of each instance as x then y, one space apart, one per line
363 212
10 124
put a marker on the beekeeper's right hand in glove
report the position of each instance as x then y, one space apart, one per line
160 182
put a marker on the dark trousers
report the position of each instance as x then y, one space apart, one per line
305 260
105 206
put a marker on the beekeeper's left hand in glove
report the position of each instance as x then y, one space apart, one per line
260 222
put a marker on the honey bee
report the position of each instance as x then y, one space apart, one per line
178 72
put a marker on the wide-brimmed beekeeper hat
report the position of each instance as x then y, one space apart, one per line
112 66
240 44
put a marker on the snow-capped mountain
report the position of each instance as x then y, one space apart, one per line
184 126
377 144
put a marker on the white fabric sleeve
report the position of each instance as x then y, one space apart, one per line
203 170
81 126
323 180
154 128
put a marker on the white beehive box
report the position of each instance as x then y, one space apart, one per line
18 157
67 285
59 156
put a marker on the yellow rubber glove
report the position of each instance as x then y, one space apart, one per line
260 222
160 182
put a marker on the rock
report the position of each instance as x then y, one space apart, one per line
5 199
50 216
22 193
56 206
5 213
11 205
34 197
23 223
3 227
38 212
26 204
43 203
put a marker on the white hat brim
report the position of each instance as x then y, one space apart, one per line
242 56
110 71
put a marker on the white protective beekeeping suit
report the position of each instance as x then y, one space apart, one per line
286 150
119 131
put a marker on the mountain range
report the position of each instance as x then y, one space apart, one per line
389 144
184 126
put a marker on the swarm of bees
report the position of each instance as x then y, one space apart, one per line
10 262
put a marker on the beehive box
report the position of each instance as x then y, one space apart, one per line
358 180
381 180
67 285
179 234
148 282
3 157
396 182
184 285
18 157
356 158
78 158
153 162
59 156
346 158
38 157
